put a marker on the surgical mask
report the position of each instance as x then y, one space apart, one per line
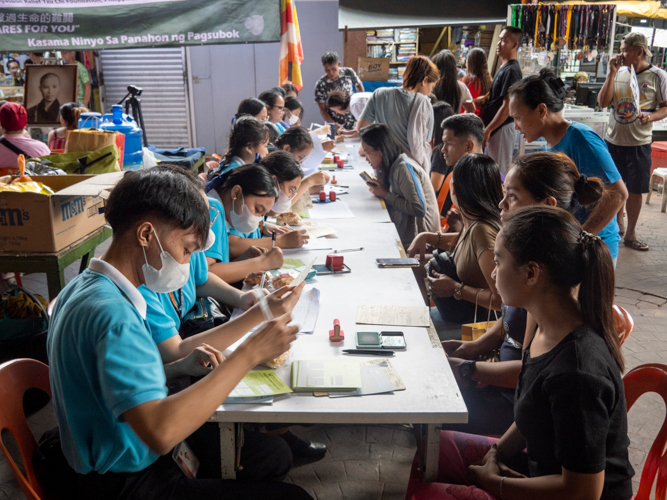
246 222
170 277
209 241
292 119
283 203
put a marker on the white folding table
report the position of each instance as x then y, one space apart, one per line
432 396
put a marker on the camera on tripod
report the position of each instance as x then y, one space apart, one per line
133 103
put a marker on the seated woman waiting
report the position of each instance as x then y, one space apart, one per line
569 438
69 119
488 387
253 107
460 280
405 189
248 141
286 174
239 199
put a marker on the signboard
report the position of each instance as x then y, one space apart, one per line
40 25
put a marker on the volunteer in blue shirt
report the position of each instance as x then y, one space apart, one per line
117 425
536 104
239 199
287 175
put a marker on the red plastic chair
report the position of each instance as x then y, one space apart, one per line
624 323
16 377
639 381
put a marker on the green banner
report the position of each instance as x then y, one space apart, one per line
39 25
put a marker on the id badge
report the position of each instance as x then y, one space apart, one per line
186 460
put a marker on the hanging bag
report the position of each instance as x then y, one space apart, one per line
473 331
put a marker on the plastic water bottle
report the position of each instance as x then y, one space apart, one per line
125 124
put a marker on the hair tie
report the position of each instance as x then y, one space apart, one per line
587 239
555 84
580 183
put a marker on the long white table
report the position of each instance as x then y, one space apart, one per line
431 397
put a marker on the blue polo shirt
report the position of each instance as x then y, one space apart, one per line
256 234
161 315
590 154
103 362
220 249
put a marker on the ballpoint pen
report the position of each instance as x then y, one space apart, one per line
273 239
348 250
261 285
369 352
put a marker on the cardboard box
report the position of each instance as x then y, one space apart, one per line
372 69
31 222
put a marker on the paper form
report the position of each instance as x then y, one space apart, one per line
373 381
260 383
302 275
389 371
319 230
394 315
326 374
335 210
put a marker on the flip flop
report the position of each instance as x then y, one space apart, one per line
636 245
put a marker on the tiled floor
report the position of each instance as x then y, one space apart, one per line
373 462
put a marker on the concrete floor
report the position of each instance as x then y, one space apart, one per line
373 461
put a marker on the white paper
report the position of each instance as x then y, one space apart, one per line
394 315
373 381
306 311
334 210
302 275
313 244
318 230
313 161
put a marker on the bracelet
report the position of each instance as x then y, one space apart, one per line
501 487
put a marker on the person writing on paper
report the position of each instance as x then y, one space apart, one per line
248 141
630 133
275 105
336 78
47 109
407 111
239 199
117 424
462 281
286 174
570 435
405 189
536 104
488 387
341 103
293 112
253 107
298 142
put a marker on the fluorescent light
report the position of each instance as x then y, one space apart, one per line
643 21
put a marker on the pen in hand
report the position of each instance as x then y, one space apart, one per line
273 239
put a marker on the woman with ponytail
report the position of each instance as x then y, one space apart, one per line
248 143
570 409
549 179
536 104
69 119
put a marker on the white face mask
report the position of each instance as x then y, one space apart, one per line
292 119
170 277
209 241
283 203
246 222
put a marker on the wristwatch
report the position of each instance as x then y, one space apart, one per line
467 369
458 291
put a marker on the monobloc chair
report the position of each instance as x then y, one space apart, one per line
16 377
624 323
639 381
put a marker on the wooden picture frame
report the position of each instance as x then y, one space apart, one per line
47 87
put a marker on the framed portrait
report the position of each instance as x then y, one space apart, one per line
47 87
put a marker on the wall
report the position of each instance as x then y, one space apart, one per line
223 75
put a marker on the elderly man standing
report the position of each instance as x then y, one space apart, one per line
629 134
336 78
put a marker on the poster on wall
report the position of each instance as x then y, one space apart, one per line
40 25
46 89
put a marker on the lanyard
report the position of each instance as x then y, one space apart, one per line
179 309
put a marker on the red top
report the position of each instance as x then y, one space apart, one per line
475 92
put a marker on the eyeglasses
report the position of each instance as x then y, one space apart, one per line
281 108
217 213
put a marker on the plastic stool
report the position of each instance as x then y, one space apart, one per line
658 173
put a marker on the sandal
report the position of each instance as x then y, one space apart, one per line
636 245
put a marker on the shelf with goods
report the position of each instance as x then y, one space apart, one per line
570 38
398 45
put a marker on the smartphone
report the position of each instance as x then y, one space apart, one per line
366 177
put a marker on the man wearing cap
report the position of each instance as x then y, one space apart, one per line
13 119
629 134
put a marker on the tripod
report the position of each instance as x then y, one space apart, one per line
132 100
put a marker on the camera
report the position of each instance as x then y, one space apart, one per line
134 90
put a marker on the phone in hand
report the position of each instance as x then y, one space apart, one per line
367 178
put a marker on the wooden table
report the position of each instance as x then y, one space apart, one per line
432 396
54 264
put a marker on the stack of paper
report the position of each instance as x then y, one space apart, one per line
326 375
258 387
